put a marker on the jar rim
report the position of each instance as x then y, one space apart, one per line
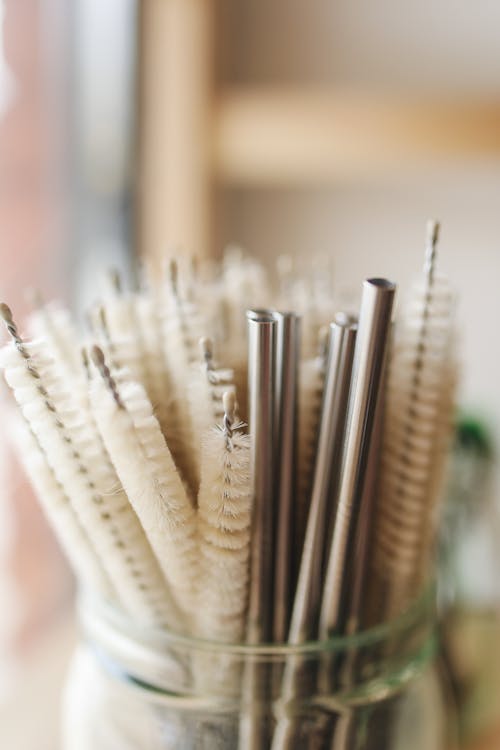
92 612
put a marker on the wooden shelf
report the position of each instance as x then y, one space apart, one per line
192 136
175 73
280 137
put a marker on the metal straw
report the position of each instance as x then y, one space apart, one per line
359 582
340 670
253 729
349 322
308 594
369 357
261 392
333 411
287 360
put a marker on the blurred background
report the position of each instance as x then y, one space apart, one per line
322 128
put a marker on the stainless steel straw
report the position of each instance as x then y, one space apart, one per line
253 730
350 323
308 594
261 391
341 670
359 582
369 357
287 360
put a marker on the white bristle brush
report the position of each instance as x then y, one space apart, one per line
316 308
419 408
159 387
56 504
135 443
193 290
205 388
52 323
120 314
232 350
224 520
151 311
227 325
67 441
444 426
303 301
285 275
244 284
182 329
420 388
142 362
147 567
121 350
127 333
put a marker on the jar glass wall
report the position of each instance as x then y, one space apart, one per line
130 688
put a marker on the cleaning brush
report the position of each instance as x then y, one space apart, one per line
74 540
79 467
205 388
419 408
181 518
144 464
119 305
128 329
52 323
182 329
224 528
158 383
123 346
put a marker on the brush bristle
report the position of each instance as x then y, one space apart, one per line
147 472
224 517
81 468
419 407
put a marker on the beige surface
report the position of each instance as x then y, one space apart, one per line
29 718
313 136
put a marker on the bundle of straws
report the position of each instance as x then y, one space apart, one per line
318 519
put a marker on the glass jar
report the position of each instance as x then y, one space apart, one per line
134 688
